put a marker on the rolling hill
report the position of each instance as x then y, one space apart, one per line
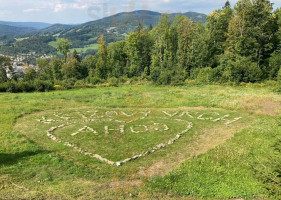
13 30
124 22
35 25
85 35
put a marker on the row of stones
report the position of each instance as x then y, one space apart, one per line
108 114
121 129
157 147
80 150
146 113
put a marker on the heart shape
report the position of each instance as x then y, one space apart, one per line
97 123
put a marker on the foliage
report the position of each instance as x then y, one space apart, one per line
4 66
35 44
240 44
274 65
63 46
101 70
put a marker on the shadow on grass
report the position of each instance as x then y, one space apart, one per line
10 159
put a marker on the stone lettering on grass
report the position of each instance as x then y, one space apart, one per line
114 135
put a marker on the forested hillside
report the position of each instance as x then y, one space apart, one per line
13 30
114 28
35 25
240 44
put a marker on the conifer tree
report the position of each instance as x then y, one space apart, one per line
101 65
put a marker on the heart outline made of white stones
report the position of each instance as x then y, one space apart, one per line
119 163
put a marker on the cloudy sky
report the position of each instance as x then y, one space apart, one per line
79 11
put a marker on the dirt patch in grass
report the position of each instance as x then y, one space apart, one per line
261 106
210 139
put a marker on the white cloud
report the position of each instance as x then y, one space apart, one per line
59 7
30 10
79 6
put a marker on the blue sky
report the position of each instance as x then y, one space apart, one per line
79 11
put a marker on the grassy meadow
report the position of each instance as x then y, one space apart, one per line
212 160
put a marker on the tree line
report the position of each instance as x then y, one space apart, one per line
240 44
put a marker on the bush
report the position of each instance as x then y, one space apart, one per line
253 73
194 73
279 75
43 86
123 79
155 73
67 83
3 87
164 78
113 82
23 86
205 75
95 80
179 77
242 70
11 87
80 83
274 65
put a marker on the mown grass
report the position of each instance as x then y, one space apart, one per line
247 165
79 50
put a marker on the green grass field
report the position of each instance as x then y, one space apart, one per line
232 149
79 50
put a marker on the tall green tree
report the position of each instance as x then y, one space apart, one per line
251 31
117 58
217 27
185 33
102 64
63 46
163 56
56 68
4 65
44 70
30 74
76 56
138 49
71 69
199 56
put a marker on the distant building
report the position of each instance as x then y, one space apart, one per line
111 30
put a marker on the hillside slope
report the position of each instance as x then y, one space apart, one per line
13 30
83 36
35 25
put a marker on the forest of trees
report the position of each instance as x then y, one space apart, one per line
240 44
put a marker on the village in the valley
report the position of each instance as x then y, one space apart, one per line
19 63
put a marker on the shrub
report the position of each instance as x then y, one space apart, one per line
164 78
205 75
3 87
96 80
23 86
80 83
274 65
253 73
279 75
11 87
194 73
43 86
155 73
113 82
242 70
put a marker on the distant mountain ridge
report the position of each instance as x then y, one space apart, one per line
84 36
146 17
13 30
35 25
